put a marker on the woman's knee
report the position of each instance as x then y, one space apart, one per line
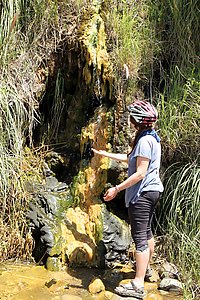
141 242
141 247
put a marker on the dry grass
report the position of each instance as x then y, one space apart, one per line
30 33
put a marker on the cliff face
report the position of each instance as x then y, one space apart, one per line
77 113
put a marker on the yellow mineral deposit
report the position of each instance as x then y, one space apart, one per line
93 40
25 282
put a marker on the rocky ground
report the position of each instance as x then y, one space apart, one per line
28 281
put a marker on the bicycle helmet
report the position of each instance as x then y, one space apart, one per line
143 112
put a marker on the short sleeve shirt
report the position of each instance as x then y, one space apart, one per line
147 147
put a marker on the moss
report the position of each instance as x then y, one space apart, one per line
53 264
65 201
99 227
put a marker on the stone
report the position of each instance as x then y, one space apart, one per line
50 283
108 295
53 264
168 270
171 285
155 276
47 236
116 297
96 286
116 236
51 182
51 203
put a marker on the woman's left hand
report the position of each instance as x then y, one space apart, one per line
110 194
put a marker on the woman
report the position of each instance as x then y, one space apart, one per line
143 187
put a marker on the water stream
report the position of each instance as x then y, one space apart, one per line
28 281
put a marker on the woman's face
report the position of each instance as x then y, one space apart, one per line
133 124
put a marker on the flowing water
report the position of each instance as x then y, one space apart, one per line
28 281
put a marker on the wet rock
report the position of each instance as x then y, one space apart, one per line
171 285
154 296
51 203
168 270
116 238
111 278
47 237
80 253
51 182
32 215
96 286
155 276
108 295
150 287
61 187
43 214
46 170
53 264
78 237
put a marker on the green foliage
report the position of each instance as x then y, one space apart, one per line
29 32
131 38
177 94
57 106
178 89
179 108
179 217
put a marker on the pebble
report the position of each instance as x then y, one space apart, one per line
96 286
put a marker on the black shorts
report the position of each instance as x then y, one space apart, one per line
140 216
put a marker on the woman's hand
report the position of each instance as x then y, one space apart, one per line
100 152
110 194
115 156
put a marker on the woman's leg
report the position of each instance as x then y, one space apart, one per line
151 243
140 215
151 250
142 260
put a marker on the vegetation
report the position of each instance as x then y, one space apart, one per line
179 105
28 34
131 41
157 41
179 97
179 219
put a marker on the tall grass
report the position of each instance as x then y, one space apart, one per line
158 42
131 46
179 217
179 108
177 26
178 98
30 31
131 41
57 106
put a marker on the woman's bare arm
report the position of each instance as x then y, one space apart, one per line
115 156
142 166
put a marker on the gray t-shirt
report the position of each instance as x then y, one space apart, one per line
147 147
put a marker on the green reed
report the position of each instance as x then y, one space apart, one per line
131 40
179 218
177 26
